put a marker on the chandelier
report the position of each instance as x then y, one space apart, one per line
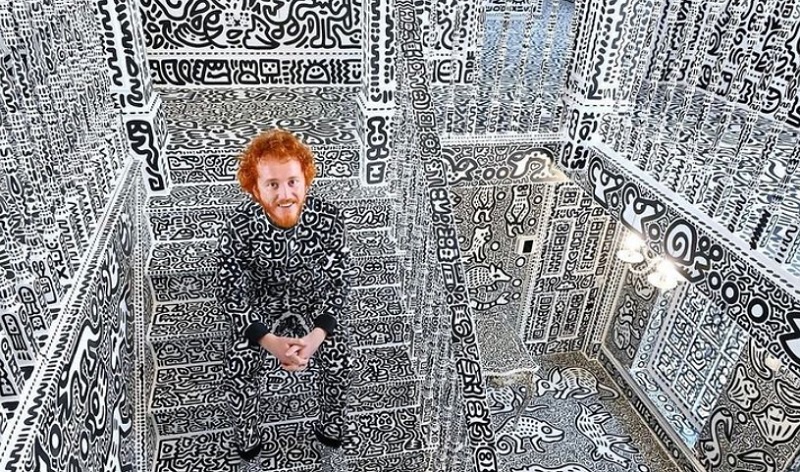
662 272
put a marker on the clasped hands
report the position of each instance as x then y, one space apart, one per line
293 353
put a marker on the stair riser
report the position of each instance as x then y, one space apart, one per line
197 285
180 351
284 408
200 318
182 287
195 349
291 446
189 167
201 384
204 222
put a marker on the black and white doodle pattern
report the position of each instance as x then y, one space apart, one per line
208 128
633 317
753 202
197 43
692 363
131 86
739 78
549 294
518 73
61 158
479 431
764 306
753 197
79 413
247 71
755 419
560 431
704 256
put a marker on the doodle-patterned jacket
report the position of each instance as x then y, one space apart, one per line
266 274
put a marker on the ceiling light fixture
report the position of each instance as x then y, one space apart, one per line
635 253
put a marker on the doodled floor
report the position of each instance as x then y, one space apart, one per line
577 422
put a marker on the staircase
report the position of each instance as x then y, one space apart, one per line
188 334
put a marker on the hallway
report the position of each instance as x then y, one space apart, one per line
573 230
188 333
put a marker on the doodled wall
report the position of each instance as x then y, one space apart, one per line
731 153
253 43
703 369
554 293
79 413
62 150
635 302
751 47
741 428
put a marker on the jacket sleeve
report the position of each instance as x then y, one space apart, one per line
338 268
233 285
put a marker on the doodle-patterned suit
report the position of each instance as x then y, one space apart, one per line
284 281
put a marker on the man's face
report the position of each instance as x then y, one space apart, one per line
281 189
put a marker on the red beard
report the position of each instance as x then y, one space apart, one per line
283 217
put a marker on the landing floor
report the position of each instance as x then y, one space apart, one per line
570 429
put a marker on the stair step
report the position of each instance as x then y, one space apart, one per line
200 384
204 317
399 442
227 132
402 462
191 223
209 346
220 195
258 98
200 254
200 348
187 220
185 271
187 319
188 166
285 408
385 395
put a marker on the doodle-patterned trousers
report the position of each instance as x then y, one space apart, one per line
245 375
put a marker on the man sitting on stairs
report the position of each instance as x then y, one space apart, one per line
282 280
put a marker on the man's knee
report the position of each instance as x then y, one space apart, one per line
243 360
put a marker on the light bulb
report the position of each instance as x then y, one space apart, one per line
631 249
665 276
633 241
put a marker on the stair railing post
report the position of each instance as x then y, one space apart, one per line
131 85
376 97
593 85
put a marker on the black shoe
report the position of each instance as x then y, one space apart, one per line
250 454
330 442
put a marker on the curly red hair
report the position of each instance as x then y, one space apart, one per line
275 144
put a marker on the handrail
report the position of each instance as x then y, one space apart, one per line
435 282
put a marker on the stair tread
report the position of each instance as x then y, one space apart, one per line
198 197
176 97
333 162
188 221
198 384
204 319
187 319
291 446
287 408
205 347
199 254
191 257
